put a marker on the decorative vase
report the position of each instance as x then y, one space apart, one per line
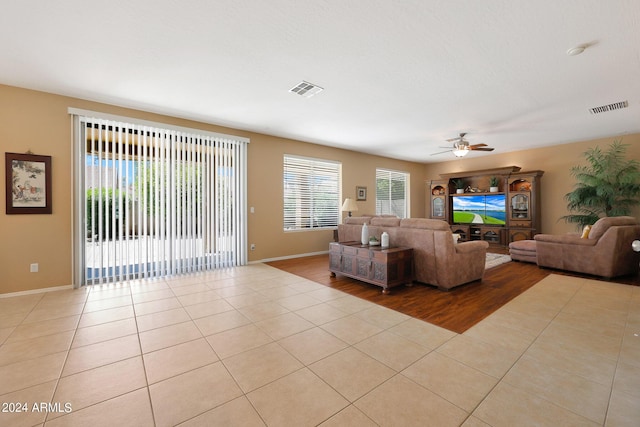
364 238
384 239
493 189
459 190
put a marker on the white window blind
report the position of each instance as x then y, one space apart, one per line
391 193
311 193
155 201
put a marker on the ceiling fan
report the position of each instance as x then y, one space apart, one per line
461 146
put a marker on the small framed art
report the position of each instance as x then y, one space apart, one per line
28 183
361 193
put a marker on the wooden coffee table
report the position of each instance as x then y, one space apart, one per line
386 267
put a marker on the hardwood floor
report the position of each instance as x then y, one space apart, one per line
456 310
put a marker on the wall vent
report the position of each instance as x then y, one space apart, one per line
306 89
609 107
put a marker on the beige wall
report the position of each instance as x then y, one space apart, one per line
266 193
39 122
556 163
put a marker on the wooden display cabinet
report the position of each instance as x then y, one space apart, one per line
438 195
523 204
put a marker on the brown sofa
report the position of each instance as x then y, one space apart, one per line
437 260
605 252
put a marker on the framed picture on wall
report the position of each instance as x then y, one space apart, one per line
28 183
361 193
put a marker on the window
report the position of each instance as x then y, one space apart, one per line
391 193
154 200
311 193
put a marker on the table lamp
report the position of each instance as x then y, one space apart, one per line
349 205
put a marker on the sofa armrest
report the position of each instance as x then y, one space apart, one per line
472 246
564 239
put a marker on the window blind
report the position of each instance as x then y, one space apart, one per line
155 201
311 193
391 193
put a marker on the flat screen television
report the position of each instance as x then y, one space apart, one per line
487 209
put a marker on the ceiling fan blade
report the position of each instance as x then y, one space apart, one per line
477 145
441 152
482 149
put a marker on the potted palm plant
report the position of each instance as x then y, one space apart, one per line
608 185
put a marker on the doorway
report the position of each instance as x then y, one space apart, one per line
153 201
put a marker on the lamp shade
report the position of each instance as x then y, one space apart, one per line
349 205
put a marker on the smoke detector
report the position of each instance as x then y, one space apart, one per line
306 89
609 107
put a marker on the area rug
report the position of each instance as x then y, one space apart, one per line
494 260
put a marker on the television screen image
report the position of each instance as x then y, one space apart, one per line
487 209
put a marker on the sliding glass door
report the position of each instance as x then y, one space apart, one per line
153 201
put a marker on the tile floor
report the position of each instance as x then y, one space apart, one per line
255 346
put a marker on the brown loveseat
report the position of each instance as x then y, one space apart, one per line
437 260
605 252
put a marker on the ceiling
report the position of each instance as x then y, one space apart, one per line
399 77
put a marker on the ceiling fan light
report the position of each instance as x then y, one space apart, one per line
460 152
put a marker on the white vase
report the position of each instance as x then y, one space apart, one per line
459 190
493 189
364 238
384 239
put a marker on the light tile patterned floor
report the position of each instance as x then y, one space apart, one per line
257 346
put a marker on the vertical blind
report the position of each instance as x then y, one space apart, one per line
155 201
391 192
311 193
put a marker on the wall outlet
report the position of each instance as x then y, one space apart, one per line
253 246
33 268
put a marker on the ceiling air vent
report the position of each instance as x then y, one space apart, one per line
306 89
609 107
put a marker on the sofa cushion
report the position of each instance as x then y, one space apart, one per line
425 223
523 245
385 221
358 220
603 224
569 239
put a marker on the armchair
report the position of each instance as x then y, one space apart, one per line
605 252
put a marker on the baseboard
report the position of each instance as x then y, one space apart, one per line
289 257
36 291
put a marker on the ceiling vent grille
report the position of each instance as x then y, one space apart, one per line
609 107
306 89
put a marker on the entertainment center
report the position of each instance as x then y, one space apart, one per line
499 217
